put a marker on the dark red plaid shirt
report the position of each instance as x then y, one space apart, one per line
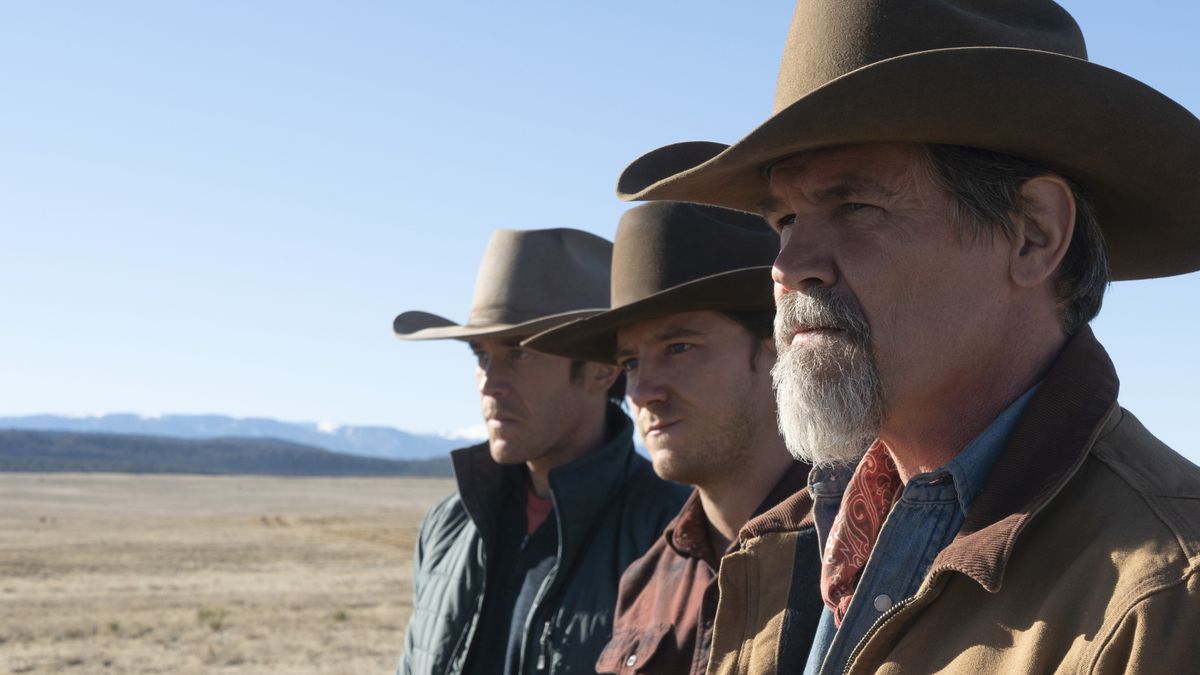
668 597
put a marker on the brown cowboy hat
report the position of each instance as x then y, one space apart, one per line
1010 76
673 257
530 280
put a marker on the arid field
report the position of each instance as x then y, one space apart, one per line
106 573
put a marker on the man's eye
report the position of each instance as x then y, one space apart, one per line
481 359
628 365
518 354
785 221
850 207
678 347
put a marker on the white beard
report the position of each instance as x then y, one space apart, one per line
827 390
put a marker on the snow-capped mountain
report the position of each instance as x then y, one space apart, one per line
366 441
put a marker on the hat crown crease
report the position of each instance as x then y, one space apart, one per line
530 274
830 38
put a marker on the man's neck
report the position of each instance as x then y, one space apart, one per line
588 436
924 435
728 504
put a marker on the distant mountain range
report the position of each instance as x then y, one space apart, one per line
45 451
381 442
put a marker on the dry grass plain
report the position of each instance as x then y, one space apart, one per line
106 573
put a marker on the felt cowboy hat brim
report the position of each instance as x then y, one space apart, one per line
1135 152
595 338
425 326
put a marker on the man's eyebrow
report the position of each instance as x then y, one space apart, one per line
855 186
768 205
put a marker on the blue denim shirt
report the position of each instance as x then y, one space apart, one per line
922 522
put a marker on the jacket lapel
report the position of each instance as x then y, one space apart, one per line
482 486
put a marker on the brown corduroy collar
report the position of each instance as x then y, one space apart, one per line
789 515
781 498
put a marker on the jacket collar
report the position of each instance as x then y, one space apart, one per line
579 489
792 512
1047 447
582 488
688 532
483 485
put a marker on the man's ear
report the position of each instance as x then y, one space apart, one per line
1042 231
599 377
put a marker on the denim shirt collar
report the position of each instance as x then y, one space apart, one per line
969 468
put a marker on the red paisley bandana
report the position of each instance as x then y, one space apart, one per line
868 499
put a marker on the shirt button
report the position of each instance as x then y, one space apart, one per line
882 603
631 661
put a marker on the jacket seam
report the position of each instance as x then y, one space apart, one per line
1111 634
1151 504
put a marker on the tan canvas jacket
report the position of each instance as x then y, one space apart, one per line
770 593
1080 554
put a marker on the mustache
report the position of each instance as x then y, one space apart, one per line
818 308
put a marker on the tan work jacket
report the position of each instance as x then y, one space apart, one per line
1080 555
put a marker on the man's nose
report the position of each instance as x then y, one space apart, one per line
804 261
491 381
645 387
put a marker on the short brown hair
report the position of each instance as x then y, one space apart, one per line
759 324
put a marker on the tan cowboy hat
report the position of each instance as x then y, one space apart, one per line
673 257
1010 76
530 280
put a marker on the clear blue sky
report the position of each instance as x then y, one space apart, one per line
220 206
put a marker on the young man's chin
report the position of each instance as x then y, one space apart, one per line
671 465
503 451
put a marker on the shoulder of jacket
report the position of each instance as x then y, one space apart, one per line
1144 633
1157 488
446 516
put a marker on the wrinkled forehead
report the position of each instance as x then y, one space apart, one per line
864 167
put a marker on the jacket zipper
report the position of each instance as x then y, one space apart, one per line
533 610
883 618
541 595
891 613
544 647
464 642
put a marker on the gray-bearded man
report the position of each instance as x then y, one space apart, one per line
953 182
